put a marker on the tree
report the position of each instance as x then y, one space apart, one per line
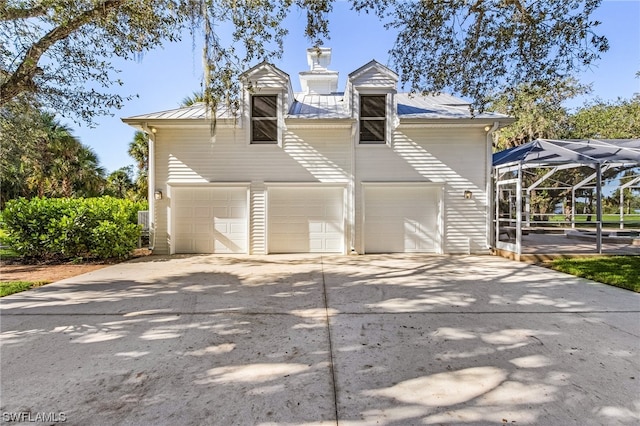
119 182
192 99
631 200
17 136
606 120
41 157
471 48
539 111
475 47
139 151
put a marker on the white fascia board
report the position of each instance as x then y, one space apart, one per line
181 123
412 123
315 123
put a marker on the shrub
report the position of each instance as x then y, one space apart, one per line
114 240
46 228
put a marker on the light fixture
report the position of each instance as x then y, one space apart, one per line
157 195
468 195
154 130
487 128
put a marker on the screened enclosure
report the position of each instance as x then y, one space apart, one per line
567 192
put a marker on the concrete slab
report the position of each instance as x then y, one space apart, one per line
387 339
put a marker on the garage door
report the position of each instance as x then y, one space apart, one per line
210 220
305 220
401 219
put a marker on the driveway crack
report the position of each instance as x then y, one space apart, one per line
328 321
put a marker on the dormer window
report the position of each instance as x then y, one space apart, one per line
264 119
373 119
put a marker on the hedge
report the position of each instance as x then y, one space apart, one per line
65 228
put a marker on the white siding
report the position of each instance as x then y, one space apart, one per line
454 157
193 156
374 78
258 211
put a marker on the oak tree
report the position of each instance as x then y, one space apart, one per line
61 51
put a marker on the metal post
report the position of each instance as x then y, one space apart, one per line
599 208
527 208
573 207
519 213
621 208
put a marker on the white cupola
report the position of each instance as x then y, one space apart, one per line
319 80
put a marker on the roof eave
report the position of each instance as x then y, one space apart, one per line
142 123
456 122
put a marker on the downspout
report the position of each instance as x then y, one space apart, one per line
151 184
352 195
489 187
599 208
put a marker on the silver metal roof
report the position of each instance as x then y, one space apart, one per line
197 111
334 106
314 106
543 152
443 106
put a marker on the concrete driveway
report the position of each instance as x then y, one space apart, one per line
290 340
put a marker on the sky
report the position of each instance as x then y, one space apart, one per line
161 79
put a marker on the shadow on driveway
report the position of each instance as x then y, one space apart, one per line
305 339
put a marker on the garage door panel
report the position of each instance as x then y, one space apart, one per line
238 212
202 212
401 219
306 219
210 220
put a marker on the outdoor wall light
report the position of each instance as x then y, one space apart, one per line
157 195
468 195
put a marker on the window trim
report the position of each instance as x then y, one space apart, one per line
275 119
384 119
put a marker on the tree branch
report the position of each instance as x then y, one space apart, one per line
21 79
13 13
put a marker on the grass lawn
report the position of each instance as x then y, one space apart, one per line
11 287
630 221
619 271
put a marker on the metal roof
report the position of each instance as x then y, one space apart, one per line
334 106
314 106
442 106
197 111
543 152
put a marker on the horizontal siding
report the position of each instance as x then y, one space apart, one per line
264 78
456 158
193 156
373 78
258 227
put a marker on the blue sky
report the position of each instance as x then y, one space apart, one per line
166 76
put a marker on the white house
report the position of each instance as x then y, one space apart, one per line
367 170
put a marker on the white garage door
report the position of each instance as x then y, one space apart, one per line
306 220
401 219
210 220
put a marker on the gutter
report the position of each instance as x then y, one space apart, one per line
151 184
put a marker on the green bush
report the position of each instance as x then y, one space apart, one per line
46 228
114 240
